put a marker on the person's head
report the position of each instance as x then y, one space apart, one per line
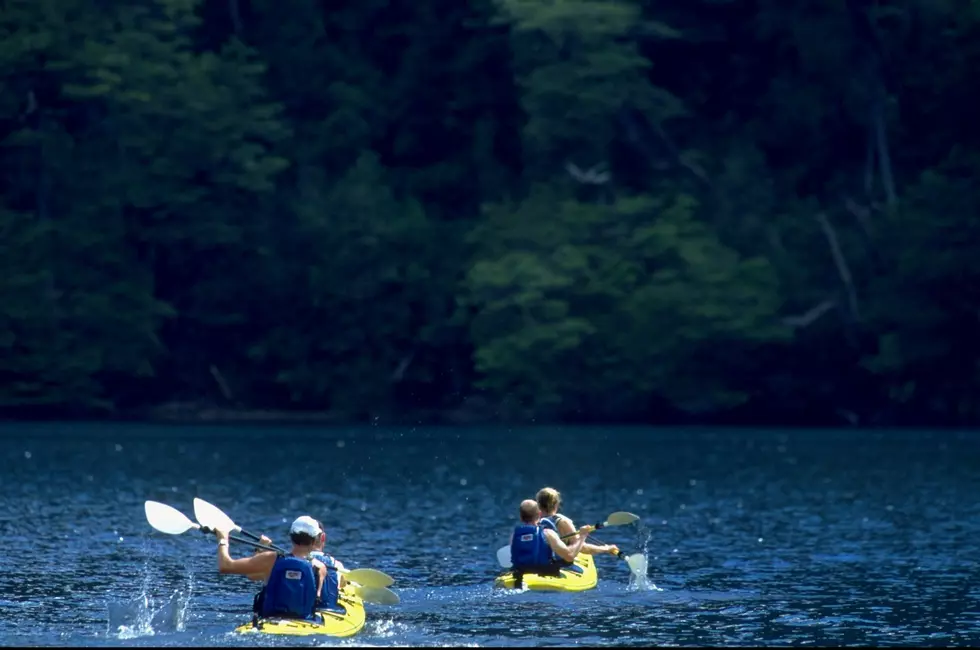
549 499
305 531
530 512
321 539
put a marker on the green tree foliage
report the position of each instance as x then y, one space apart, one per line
571 209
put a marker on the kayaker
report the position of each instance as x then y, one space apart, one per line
549 500
537 549
334 581
293 582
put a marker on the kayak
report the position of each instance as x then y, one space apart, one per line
567 580
329 622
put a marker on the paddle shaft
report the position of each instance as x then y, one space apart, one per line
597 541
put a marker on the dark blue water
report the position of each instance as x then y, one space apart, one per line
753 537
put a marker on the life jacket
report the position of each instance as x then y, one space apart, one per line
552 523
290 591
331 582
529 549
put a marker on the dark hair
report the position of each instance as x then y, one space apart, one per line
301 539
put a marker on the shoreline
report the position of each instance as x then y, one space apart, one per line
475 412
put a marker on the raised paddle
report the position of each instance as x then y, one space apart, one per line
615 519
210 516
171 521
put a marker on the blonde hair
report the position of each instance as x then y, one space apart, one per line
548 499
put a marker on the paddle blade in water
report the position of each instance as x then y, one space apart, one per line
503 557
167 519
638 565
377 595
621 519
370 578
211 517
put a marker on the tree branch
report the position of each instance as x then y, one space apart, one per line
840 262
810 316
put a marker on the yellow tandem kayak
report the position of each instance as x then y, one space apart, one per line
567 580
329 623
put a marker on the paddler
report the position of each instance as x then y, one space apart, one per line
292 582
549 500
537 549
333 582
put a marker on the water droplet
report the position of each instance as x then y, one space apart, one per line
118 447
462 481
674 551
760 540
479 462
692 482
363 507
341 444
889 508
27 455
173 489
639 490
664 522
683 507
120 539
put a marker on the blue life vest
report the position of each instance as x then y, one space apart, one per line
331 582
552 523
529 548
291 590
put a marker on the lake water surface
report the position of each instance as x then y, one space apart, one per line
753 537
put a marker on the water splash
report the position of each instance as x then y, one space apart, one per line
639 564
143 616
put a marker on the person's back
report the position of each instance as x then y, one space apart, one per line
291 581
529 550
290 591
333 581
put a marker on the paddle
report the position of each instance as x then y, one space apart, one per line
615 519
171 521
377 595
210 516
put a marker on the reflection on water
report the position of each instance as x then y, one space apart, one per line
752 537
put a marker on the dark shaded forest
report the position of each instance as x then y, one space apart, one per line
740 211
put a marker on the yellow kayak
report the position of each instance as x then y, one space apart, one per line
567 580
329 623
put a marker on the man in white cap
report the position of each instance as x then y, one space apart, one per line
292 582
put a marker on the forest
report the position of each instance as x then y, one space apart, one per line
750 212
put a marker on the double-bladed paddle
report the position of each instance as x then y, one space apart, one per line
212 517
637 562
369 584
615 519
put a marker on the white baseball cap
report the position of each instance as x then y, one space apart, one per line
307 525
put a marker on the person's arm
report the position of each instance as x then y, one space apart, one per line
566 529
567 552
321 576
256 565
592 549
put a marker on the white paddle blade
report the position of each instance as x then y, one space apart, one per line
638 565
211 517
377 595
621 519
167 519
369 578
503 557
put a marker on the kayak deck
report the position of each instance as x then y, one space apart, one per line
330 623
567 580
